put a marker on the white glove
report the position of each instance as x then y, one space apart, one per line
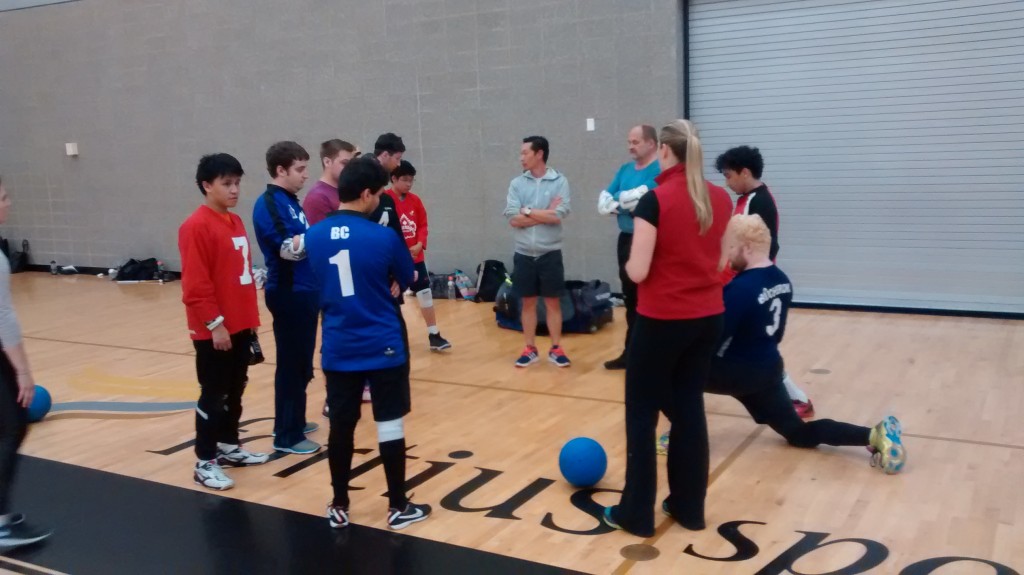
290 252
259 276
630 198
606 205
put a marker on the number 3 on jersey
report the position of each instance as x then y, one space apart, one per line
242 243
776 309
341 260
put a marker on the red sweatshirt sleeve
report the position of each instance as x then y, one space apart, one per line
197 288
421 224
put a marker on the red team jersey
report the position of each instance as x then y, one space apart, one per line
413 217
216 273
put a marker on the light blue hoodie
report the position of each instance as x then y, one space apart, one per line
537 193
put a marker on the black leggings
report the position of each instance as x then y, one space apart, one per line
667 368
13 425
629 288
222 377
760 389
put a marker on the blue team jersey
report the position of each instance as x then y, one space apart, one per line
627 178
272 231
354 260
756 305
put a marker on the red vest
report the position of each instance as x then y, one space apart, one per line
684 282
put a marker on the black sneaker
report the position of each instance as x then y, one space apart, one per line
19 534
413 513
438 343
617 363
337 516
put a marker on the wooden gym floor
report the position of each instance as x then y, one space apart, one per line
120 366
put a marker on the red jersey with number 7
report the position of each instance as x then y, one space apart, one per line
216 273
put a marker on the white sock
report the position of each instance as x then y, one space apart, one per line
795 393
432 330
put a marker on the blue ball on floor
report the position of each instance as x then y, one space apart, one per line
583 462
40 405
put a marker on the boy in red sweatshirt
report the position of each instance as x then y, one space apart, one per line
220 303
413 218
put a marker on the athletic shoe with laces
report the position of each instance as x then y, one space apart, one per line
438 343
413 513
528 357
886 446
337 516
211 476
558 357
805 409
235 456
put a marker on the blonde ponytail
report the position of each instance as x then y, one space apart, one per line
682 138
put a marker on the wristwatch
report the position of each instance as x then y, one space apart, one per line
527 211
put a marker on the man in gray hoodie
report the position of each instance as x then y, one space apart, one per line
538 201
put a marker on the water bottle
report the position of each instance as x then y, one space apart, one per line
451 287
54 269
159 275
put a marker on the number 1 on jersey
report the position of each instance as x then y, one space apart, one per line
341 260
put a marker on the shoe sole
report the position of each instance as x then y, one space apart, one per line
441 347
213 487
8 544
528 364
559 364
401 526
229 463
296 451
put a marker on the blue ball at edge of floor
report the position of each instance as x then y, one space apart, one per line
583 462
40 405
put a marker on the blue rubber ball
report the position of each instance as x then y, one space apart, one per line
583 462
40 405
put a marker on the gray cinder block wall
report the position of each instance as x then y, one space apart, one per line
145 87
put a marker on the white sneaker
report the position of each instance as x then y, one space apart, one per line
235 456
210 475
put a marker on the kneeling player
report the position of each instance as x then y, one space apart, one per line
748 365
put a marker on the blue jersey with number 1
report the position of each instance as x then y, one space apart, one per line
756 305
355 260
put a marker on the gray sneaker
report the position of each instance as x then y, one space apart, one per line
301 448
